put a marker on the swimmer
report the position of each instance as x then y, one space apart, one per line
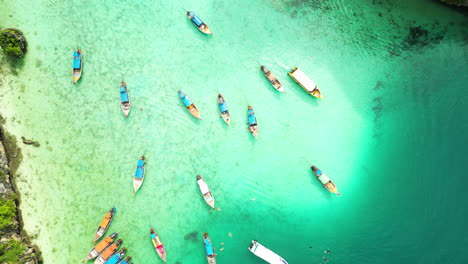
253 199
230 234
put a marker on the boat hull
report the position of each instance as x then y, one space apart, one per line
189 104
76 72
125 105
157 244
224 111
326 182
137 180
205 191
102 230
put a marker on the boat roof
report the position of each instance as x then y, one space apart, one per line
123 95
323 178
76 62
305 81
223 107
203 186
208 247
266 254
197 20
252 119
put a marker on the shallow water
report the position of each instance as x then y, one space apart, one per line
392 76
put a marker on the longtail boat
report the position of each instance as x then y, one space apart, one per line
210 255
189 105
99 247
205 191
224 110
197 22
117 256
124 99
272 78
158 245
139 174
77 65
105 223
126 260
307 84
108 252
266 254
253 127
326 182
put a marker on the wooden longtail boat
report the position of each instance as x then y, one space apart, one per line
77 65
205 191
198 23
224 110
326 182
210 255
253 127
139 174
124 99
189 105
105 223
307 84
272 78
158 245
100 247
108 252
117 256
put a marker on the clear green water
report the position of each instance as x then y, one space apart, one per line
391 131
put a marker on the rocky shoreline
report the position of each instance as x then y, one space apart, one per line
458 3
15 244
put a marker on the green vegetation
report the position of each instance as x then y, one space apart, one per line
7 213
10 252
456 2
12 42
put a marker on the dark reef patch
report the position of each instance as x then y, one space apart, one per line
192 236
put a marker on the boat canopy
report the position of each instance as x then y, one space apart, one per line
302 79
208 247
139 171
203 186
266 254
186 101
123 94
252 119
197 21
323 178
223 107
115 258
76 60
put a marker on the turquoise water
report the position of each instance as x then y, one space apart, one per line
390 130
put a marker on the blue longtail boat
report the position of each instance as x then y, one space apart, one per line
77 65
124 99
253 128
197 22
210 255
224 110
189 105
139 174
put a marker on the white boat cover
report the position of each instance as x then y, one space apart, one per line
307 83
323 178
266 254
203 186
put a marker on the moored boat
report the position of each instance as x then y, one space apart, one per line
158 245
272 78
105 223
100 247
266 254
253 126
126 260
124 99
197 22
77 65
325 181
114 259
108 252
224 110
305 82
207 195
210 255
189 105
139 174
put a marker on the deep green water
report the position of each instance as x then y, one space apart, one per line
391 130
